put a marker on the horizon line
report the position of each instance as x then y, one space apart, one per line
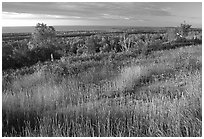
101 25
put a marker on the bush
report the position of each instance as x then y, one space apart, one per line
171 34
42 36
185 28
179 32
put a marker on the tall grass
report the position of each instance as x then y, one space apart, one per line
153 97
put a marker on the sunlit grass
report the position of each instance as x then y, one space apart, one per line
156 96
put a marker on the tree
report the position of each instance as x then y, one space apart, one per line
91 45
43 35
178 33
184 28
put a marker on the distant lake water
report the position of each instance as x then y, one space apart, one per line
28 29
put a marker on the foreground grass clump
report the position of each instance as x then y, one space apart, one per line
159 95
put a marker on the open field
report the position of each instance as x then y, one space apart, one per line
152 95
101 69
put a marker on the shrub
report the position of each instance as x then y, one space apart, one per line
42 36
91 45
184 28
171 34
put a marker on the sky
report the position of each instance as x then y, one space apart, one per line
102 13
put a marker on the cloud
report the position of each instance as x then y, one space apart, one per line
85 9
109 16
105 12
14 15
166 9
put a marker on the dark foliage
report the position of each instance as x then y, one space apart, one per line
44 43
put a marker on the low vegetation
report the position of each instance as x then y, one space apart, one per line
158 95
143 90
44 41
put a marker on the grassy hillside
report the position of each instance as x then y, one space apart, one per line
120 95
